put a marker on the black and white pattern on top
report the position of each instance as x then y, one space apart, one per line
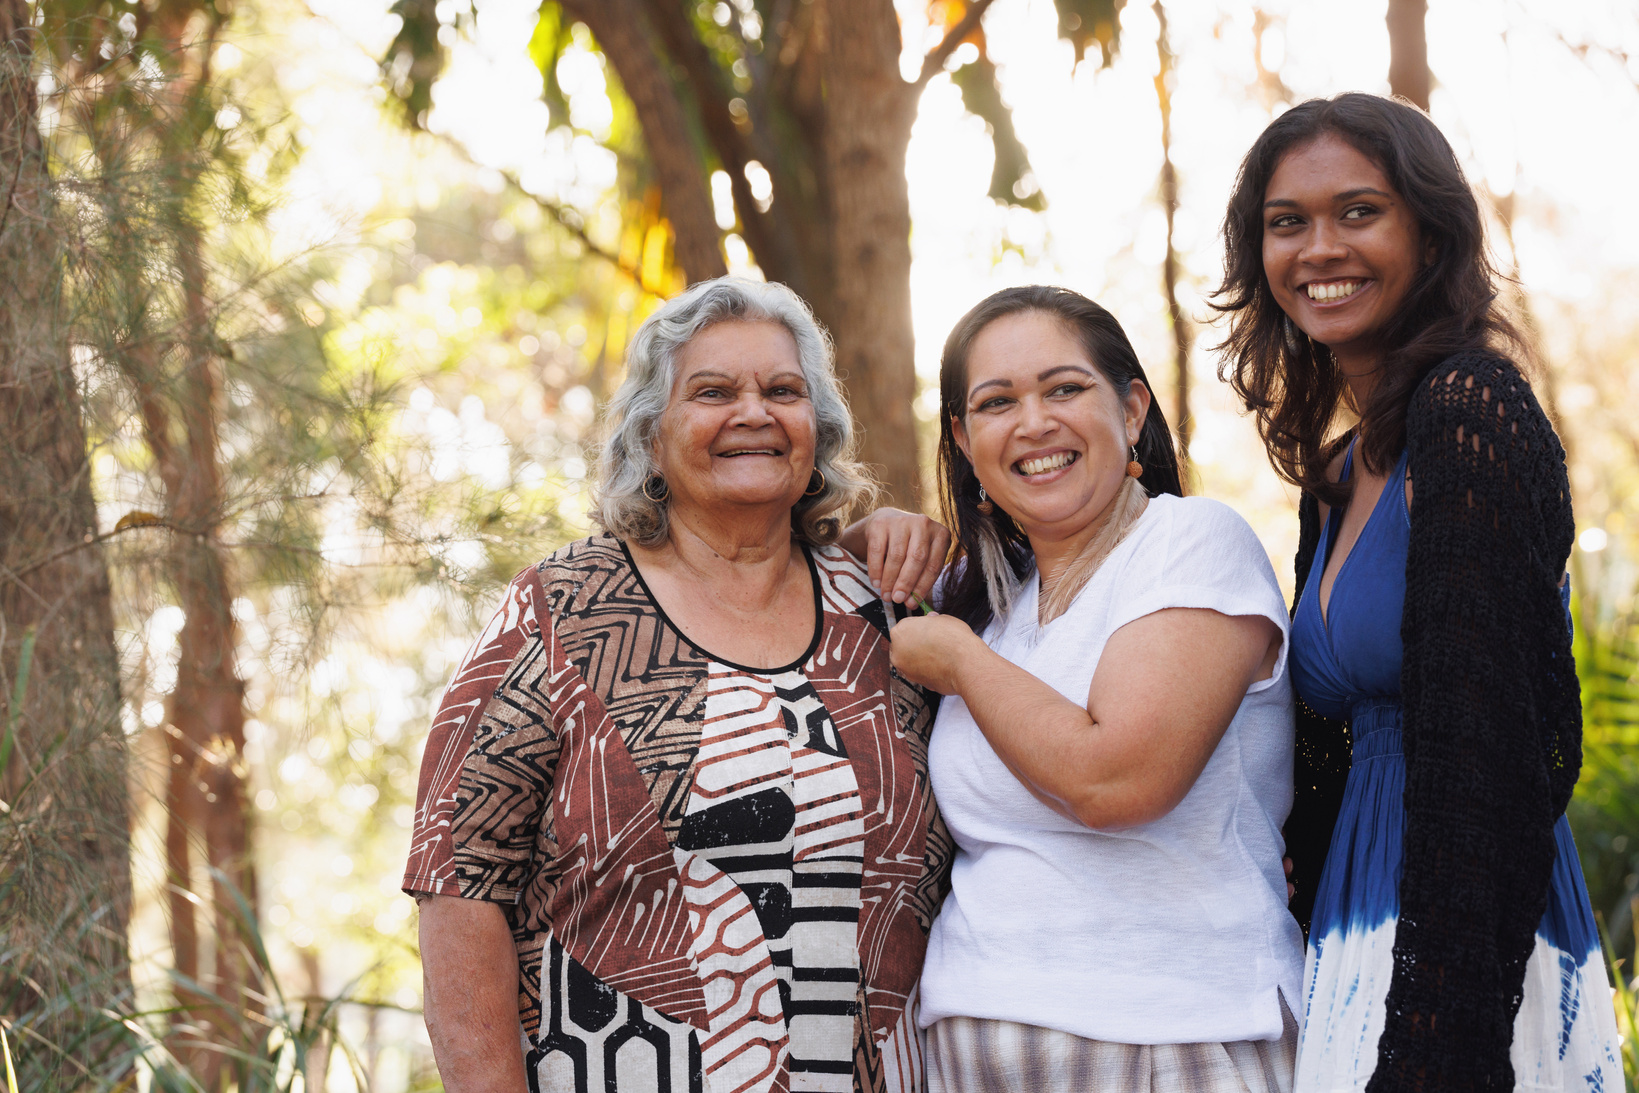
776 808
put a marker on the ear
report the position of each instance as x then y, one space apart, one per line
958 429
1135 408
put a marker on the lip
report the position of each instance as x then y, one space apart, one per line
737 453
1046 476
1365 284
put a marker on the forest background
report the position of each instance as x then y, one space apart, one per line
309 310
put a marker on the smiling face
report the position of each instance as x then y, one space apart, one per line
739 430
1340 247
1046 433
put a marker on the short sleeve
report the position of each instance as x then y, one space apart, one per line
487 767
1201 554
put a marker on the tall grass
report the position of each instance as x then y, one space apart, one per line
275 1044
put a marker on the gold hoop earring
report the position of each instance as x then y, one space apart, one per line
812 489
653 484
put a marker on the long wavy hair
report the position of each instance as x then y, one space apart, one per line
1294 385
968 592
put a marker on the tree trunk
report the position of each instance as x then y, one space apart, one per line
207 705
869 109
176 373
64 835
1409 75
829 116
1182 420
622 29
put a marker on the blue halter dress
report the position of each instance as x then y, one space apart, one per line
1347 666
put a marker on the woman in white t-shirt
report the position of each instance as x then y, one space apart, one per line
1114 758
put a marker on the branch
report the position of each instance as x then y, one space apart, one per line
569 219
934 62
16 575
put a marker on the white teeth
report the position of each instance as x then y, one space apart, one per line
1046 463
1336 290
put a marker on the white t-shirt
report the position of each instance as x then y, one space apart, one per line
1175 931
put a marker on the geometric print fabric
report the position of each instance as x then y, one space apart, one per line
718 878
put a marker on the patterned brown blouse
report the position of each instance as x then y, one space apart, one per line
718 877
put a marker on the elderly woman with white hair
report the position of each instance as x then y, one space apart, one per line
674 830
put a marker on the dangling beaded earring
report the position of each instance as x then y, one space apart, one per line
1134 468
985 506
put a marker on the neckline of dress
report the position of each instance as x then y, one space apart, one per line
807 654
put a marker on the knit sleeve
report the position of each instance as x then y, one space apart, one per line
1487 658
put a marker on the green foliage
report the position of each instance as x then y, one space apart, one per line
1605 811
418 54
1625 996
546 45
19 688
1011 182
1084 23
275 1046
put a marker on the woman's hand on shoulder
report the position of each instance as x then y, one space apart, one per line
929 650
903 551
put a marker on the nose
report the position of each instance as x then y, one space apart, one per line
1035 417
1322 245
751 410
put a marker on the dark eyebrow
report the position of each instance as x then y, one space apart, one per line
1040 377
1346 195
1056 369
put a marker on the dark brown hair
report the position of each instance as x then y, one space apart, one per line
1293 385
1112 354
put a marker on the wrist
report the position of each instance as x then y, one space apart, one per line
968 657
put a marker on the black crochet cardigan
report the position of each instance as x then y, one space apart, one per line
1492 731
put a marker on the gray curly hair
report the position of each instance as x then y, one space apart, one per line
626 459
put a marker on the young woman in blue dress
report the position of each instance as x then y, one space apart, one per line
1451 944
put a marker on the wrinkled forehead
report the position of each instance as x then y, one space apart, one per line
740 350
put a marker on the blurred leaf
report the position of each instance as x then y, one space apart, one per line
415 59
1083 23
1605 811
1011 181
25 659
11 1073
545 47
136 518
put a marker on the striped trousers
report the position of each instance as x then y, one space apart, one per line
975 1055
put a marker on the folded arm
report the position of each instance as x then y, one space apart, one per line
1166 687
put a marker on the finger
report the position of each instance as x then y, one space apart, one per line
876 542
1286 863
1291 890
910 571
939 548
893 561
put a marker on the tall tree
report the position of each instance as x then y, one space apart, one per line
1409 75
1172 264
804 107
142 103
64 855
